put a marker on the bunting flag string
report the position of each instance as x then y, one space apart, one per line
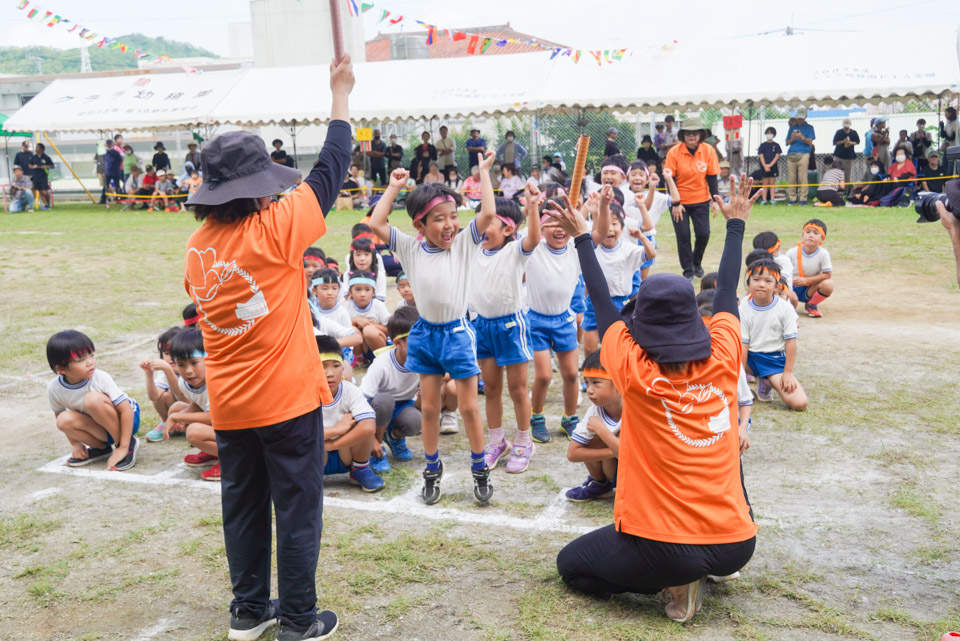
51 19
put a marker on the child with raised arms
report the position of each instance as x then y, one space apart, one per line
161 391
768 325
91 409
439 265
552 279
503 334
812 269
596 441
368 315
348 423
391 389
619 261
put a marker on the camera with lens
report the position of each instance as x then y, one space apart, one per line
926 204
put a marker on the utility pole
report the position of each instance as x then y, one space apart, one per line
85 66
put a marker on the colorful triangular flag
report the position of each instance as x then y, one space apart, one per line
458 35
54 20
472 46
32 13
396 20
73 28
23 4
366 6
384 16
430 35
576 56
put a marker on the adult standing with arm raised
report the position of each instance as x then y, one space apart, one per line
695 169
265 379
681 510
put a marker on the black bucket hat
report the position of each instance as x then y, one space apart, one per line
236 165
664 320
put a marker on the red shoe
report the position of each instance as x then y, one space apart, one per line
213 474
200 459
812 311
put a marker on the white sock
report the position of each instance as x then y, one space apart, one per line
523 438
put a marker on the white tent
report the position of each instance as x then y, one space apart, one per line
820 69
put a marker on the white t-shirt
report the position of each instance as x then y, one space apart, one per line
390 377
661 204
510 186
376 311
440 279
786 268
332 328
552 277
379 291
619 264
66 396
764 329
499 290
196 395
348 398
337 314
583 436
160 380
813 264
744 395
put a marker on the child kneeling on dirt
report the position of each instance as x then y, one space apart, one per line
602 420
768 325
91 410
349 423
391 390
162 391
812 269
192 415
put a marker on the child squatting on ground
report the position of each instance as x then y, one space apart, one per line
439 267
92 411
812 269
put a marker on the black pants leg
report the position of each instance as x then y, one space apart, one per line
700 214
831 196
380 174
282 462
609 562
684 250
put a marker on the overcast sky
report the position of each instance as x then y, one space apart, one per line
622 23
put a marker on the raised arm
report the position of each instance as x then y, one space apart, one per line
378 219
488 200
532 212
327 174
736 213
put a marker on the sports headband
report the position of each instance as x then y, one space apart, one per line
445 198
321 280
506 221
312 257
402 277
596 373
765 270
774 248
399 336
191 321
612 168
366 234
360 280
823 232
331 356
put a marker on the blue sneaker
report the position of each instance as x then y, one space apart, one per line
380 464
398 446
791 203
591 490
803 203
155 435
567 425
366 478
538 429
44 208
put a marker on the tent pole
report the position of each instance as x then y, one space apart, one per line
6 153
746 152
293 136
535 141
64 161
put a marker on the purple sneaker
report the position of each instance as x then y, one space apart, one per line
591 490
764 391
493 452
520 458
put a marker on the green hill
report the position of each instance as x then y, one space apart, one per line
22 60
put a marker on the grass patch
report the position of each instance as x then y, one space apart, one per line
19 532
922 506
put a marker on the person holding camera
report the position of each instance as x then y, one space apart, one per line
800 137
950 217
881 141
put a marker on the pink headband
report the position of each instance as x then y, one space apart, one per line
433 203
612 168
506 221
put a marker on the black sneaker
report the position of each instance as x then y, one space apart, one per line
698 272
93 454
323 628
246 627
431 485
130 459
482 489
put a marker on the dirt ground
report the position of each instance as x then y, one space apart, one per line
856 500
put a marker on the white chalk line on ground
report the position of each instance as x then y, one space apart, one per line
406 504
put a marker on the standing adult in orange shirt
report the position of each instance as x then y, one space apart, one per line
681 511
695 168
244 271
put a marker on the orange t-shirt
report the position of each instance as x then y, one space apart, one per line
678 480
247 281
690 171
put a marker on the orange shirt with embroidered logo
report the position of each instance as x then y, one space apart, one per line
248 283
678 479
690 171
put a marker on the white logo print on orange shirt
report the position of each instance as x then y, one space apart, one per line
674 400
208 276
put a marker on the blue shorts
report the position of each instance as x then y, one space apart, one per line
801 293
347 354
334 464
589 323
577 304
136 421
558 333
766 364
505 338
443 348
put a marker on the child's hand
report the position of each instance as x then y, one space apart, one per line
146 365
591 206
398 179
635 232
606 195
654 180
532 195
744 439
565 218
667 173
118 455
593 425
486 161
788 382
360 322
799 281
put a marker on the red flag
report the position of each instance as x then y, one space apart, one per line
459 35
396 20
472 46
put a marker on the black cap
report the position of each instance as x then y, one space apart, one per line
236 165
664 320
